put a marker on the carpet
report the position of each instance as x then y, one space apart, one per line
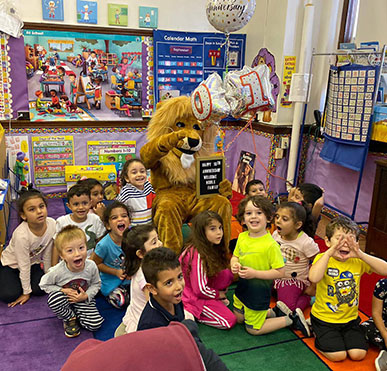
113 318
33 338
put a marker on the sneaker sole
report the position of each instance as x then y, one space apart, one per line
377 361
283 308
72 335
303 320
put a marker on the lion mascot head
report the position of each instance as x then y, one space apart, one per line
176 115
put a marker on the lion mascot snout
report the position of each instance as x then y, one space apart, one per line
175 139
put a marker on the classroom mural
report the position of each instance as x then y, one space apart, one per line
85 76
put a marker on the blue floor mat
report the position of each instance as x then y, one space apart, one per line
113 318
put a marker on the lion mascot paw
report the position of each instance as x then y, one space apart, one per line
175 139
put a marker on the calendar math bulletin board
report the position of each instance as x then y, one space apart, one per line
184 59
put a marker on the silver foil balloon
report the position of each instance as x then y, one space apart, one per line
229 15
249 89
208 100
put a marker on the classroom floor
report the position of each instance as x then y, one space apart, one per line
32 337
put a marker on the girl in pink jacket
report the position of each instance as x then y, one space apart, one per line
207 275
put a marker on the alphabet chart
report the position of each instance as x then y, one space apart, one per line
349 104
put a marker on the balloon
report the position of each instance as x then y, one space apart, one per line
249 90
208 100
229 15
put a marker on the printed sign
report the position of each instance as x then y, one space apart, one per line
51 155
209 173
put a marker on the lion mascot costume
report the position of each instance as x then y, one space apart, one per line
175 139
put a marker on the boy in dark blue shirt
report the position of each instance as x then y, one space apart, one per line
165 283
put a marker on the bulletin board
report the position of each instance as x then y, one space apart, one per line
184 59
50 156
350 103
110 67
57 47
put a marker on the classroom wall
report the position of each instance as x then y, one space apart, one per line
175 15
372 25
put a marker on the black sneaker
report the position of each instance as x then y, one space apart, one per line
299 322
381 361
281 309
71 327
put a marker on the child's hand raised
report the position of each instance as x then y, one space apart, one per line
354 248
99 209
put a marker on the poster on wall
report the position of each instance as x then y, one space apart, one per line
288 70
19 162
110 152
117 14
245 171
50 156
148 17
5 81
86 76
52 10
184 59
87 11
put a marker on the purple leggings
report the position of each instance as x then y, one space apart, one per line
293 296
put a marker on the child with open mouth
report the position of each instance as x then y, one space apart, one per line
109 257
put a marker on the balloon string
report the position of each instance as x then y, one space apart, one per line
227 50
249 124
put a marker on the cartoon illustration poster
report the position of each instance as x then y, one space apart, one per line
245 172
87 76
19 162
117 15
148 17
52 10
87 11
50 156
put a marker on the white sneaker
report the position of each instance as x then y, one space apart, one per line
381 361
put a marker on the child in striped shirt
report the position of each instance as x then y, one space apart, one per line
136 191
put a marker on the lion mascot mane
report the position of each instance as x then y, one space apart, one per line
175 139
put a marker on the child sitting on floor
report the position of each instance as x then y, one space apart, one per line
205 265
78 201
73 283
257 260
109 257
292 221
376 327
255 187
165 283
96 195
30 245
136 191
136 242
337 272
312 195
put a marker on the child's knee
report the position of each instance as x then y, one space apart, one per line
336 356
357 354
240 318
91 325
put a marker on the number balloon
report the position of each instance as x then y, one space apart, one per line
208 100
229 15
249 90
